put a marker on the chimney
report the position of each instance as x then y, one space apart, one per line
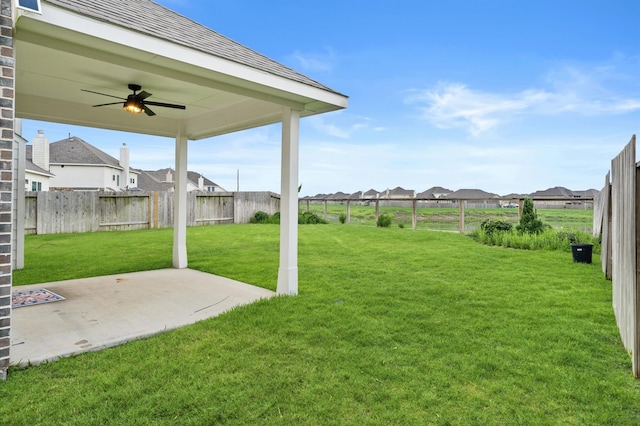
124 163
201 183
41 151
169 176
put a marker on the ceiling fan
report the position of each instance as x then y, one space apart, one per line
135 102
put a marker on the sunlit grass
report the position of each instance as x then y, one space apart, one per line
392 326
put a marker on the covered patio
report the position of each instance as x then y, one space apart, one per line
71 51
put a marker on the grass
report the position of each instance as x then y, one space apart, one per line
391 326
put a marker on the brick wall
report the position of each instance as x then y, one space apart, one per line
6 181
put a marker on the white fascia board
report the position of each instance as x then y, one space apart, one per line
160 50
34 172
86 165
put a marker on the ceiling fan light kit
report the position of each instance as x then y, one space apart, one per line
132 105
135 102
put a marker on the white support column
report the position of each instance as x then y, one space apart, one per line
180 204
288 271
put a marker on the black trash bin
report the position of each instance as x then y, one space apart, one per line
581 252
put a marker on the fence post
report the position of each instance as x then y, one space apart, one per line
348 211
377 210
414 216
325 209
461 216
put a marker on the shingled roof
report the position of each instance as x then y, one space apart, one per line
156 180
153 19
74 150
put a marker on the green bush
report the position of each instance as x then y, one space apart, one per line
260 217
303 218
342 218
529 222
489 226
308 218
384 221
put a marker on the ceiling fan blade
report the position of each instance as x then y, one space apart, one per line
143 95
162 104
148 111
103 94
112 103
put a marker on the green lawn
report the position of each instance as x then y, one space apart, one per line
392 326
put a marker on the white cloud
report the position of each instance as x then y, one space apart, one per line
315 62
319 123
570 90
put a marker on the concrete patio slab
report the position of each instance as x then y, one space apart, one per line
102 312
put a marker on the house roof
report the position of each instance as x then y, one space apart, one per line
104 45
156 180
74 150
398 191
339 196
557 191
430 193
158 21
471 194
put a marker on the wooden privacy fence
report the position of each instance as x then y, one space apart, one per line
53 212
616 219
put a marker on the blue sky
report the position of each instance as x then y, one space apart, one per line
504 96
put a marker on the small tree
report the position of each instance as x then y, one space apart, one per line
529 221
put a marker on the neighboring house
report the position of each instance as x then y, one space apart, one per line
164 179
73 164
471 194
78 165
562 194
372 193
399 192
339 196
434 193
556 192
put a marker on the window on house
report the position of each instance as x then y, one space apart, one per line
33 5
114 177
36 186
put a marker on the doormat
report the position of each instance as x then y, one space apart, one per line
33 297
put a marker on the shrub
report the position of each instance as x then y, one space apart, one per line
275 218
303 218
384 221
548 239
260 217
308 218
529 222
489 226
342 218
401 225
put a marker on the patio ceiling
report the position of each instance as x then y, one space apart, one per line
62 51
